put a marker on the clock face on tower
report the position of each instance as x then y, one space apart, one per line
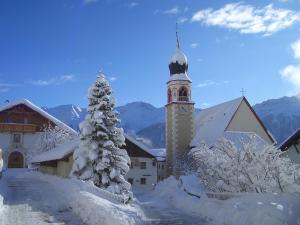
183 109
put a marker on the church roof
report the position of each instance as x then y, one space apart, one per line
211 123
40 111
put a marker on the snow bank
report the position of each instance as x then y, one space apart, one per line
3 193
88 203
248 209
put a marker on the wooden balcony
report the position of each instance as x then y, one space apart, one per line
18 127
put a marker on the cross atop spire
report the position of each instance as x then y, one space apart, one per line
177 39
243 92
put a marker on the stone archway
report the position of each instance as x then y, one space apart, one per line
15 160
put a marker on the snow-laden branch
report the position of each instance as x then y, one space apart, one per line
248 167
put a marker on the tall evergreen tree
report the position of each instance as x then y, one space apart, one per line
100 156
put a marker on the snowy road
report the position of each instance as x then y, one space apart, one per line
165 214
30 201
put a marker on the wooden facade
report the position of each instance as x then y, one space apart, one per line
21 118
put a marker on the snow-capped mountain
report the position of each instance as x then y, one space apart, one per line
69 114
281 116
134 116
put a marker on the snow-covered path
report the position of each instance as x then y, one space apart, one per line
30 201
163 213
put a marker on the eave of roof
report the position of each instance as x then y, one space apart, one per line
40 111
290 140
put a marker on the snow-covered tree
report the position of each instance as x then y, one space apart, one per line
100 157
51 137
246 167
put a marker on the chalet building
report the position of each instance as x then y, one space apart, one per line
291 147
21 125
234 120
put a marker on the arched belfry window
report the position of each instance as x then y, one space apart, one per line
169 96
183 94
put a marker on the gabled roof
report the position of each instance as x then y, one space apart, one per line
57 153
211 123
136 148
290 140
40 111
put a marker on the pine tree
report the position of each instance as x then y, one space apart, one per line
100 157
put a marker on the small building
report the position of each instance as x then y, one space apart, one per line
57 161
160 155
21 125
291 147
143 169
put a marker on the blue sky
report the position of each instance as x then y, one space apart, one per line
51 50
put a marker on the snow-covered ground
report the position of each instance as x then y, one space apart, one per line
248 209
31 198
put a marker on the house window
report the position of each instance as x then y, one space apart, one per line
162 166
16 138
153 163
26 120
130 180
143 181
131 165
143 165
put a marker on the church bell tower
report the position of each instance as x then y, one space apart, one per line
179 113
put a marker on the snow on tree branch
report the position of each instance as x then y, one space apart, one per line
248 167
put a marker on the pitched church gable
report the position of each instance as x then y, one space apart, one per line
235 116
211 123
246 120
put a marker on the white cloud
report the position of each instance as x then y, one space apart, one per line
173 11
133 4
2 90
210 83
247 19
53 81
89 1
194 45
292 74
113 79
296 48
182 20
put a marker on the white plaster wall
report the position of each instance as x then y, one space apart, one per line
245 121
150 173
28 142
293 154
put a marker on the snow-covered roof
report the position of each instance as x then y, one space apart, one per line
139 144
179 57
40 111
159 153
181 76
211 123
57 153
290 140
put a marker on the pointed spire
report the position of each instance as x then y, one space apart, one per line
177 39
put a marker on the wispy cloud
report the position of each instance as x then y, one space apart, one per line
53 81
112 79
248 19
173 11
2 90
133 4
89 1
182 20
194 45
291 73
296 49
211 82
